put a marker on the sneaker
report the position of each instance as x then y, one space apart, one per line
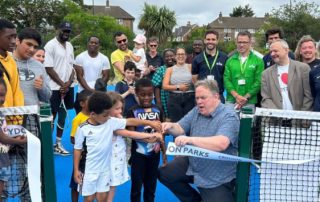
58 149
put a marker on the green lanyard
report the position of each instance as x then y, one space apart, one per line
243 66
214 61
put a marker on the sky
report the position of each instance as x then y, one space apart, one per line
200 12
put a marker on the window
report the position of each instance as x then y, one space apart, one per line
225 30
120 21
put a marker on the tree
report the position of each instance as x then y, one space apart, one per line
157 22
240 11
39 14
198 33
297 19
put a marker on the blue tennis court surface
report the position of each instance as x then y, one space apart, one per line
63 170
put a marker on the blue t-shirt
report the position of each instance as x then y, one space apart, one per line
129 101
154 113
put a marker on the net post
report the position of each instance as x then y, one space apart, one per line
47 160
244 149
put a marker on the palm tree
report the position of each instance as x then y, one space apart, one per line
157 22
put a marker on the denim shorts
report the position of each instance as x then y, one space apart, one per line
5 173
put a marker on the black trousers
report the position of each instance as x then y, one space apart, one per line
174 177
144 171
179 104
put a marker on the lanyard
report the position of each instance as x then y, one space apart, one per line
207 62
243 66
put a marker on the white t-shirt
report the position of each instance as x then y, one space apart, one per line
140 52
283 77
61 59
98 141
92 67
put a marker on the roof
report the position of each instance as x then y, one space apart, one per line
113 11
237 22
181 31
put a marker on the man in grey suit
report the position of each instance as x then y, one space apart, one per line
285 85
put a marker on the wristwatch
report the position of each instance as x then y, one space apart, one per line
178 87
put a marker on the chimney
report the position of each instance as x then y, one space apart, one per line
188 24
220 17
107 4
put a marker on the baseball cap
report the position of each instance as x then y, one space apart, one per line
65 26
140 39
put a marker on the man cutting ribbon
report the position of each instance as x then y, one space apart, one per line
213 126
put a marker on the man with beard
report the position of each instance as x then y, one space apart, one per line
197 48
120 56
285 85
91 65
8 34
59 60
210 63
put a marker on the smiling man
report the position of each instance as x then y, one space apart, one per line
285 85
59 60
91 65
210 63
306 51
120 56
8 34
242 75
213 126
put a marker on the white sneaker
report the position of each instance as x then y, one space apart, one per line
58 149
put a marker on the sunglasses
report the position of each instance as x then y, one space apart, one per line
153 45
122 41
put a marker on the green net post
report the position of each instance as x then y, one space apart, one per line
47 160
243 170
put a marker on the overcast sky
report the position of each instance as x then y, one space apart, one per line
199 12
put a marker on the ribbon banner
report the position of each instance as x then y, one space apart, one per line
33 162
193 151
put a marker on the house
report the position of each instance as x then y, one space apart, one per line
182 33
229 27
123 17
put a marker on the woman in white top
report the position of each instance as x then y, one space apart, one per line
178 81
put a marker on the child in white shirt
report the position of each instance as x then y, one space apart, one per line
138 55
94 139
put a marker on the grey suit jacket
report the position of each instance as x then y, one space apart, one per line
298 87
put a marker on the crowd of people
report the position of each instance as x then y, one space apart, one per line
173 93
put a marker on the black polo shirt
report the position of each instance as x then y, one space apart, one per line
156 61
200 68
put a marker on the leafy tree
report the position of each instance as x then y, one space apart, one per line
297 19
39 14
104 27
157 22
198 33
240 11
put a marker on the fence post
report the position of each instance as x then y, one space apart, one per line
243 169
47 160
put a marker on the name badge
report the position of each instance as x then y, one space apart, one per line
241 82
210 77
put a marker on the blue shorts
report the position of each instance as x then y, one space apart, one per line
5 174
